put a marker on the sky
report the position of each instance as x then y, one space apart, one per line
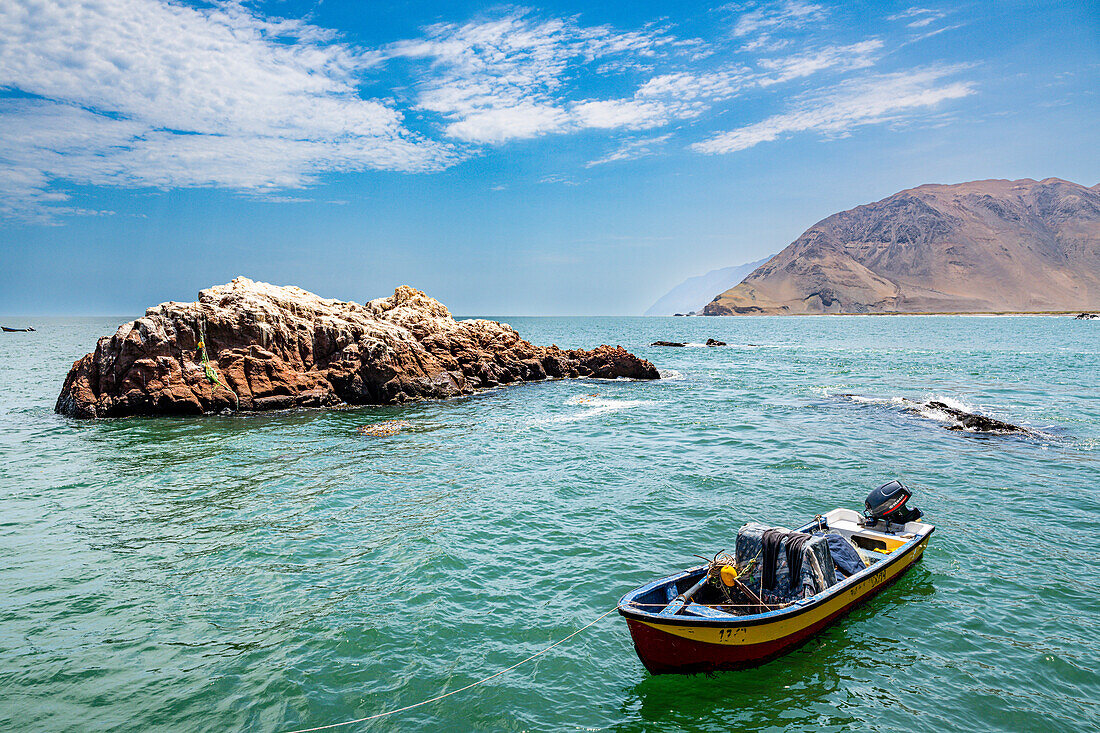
559 158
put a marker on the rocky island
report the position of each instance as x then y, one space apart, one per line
979 247
252 346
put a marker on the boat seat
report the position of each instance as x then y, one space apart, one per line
815 575
694 609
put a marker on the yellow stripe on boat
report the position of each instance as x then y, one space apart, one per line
784 627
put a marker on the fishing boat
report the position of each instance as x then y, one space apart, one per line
777 590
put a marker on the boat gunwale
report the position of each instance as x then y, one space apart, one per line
794 609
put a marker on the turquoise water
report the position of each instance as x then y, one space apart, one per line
281 571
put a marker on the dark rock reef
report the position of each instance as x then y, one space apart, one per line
681 344
971 421
952 418
274 348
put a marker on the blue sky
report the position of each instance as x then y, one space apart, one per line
554 158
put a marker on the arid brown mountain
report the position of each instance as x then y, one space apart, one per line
985 246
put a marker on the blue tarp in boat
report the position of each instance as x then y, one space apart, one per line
776 550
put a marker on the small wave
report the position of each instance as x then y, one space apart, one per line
933 413
952 402
671 375
594 407
878 400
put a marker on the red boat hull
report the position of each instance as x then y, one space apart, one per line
662 651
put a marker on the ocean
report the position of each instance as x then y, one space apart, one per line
282 571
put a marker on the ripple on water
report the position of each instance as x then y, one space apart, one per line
275 571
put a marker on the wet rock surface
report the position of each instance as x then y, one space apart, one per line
952 418
973 422
680 344
274 348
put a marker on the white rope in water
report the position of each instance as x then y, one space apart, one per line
460 689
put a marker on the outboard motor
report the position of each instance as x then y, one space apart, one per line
887 504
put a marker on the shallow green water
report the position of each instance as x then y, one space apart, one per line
282 571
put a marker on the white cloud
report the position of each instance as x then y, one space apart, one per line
511 77
838 58
919 17
559 179
514 77
871 100
632 150
785 15
147 93
500 124
725 83
622 113
686 86
157 93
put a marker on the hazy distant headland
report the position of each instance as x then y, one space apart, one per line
991 246
694 293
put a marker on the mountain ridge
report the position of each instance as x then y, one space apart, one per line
982 246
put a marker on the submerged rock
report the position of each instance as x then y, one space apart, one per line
383 429
973 422
953 418
680 344
1079 317
275 348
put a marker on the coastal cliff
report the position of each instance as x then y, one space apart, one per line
252 346
984 246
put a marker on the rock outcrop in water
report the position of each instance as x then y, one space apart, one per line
971 421
282 347
985 246
681 344
952 418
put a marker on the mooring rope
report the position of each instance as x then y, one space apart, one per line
559 642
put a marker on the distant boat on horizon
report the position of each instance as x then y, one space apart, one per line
16 330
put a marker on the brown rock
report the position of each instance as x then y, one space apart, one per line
282 347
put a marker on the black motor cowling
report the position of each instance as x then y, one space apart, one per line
887 503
